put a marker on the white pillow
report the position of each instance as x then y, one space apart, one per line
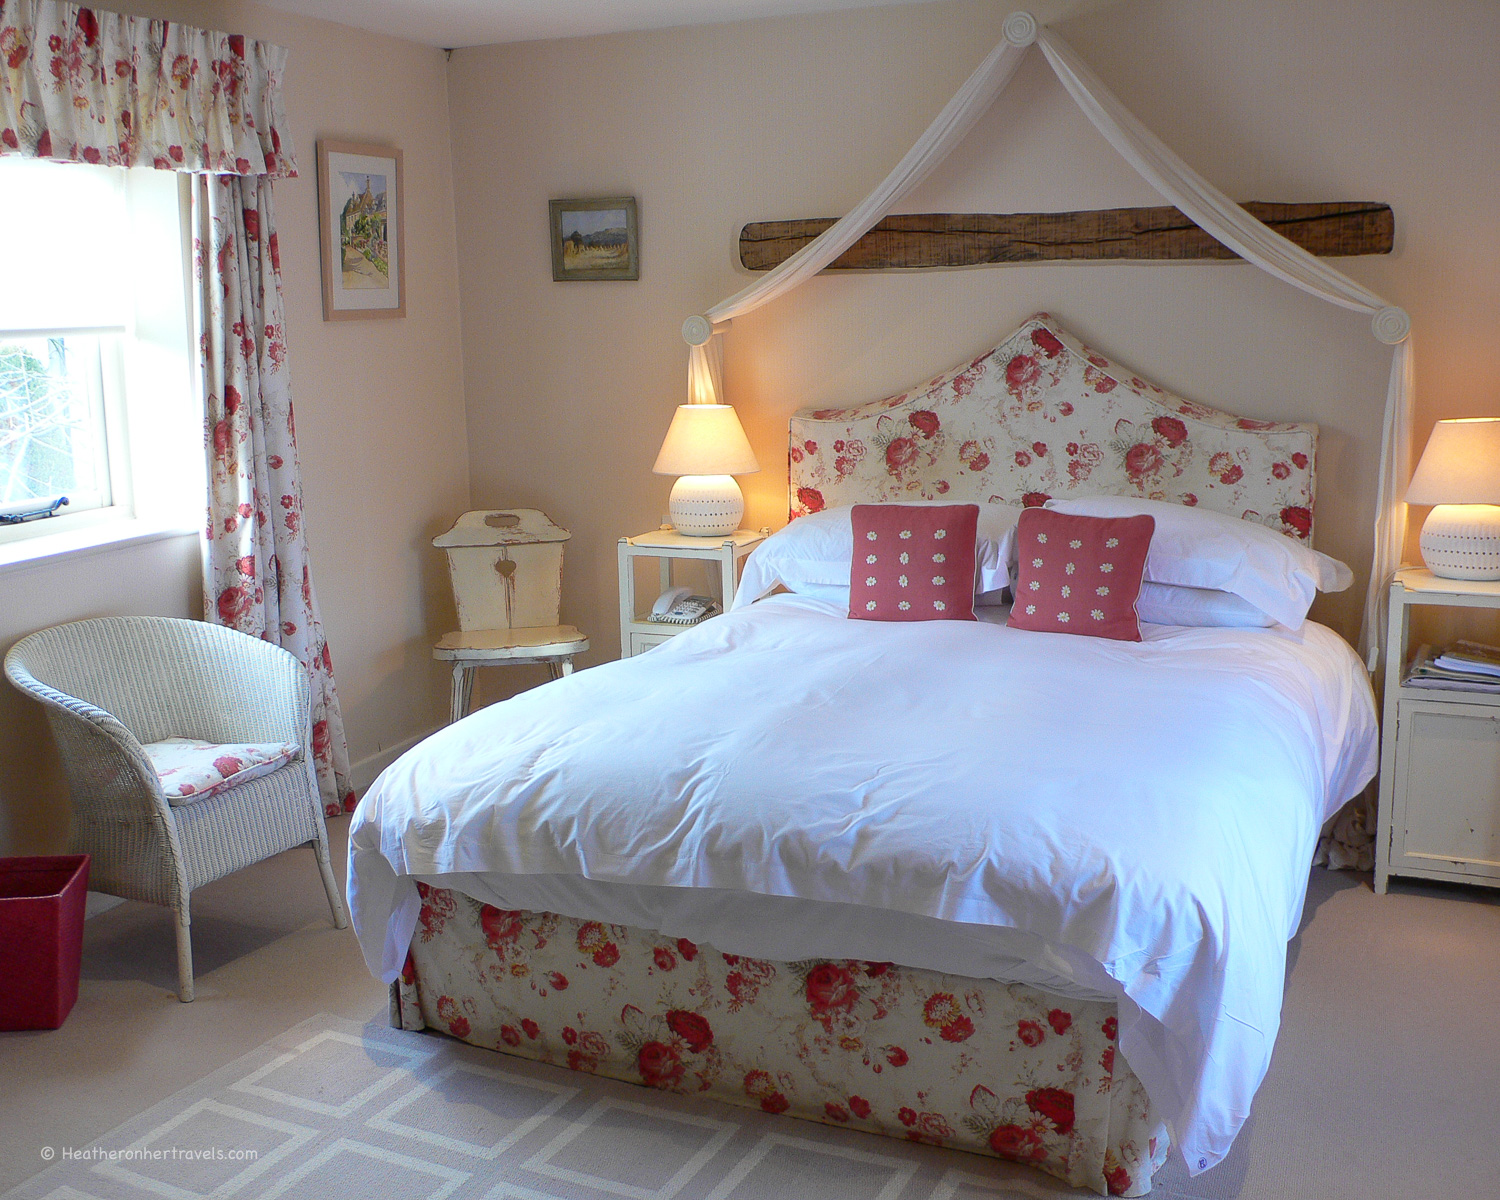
1193 547
1168 604
811 555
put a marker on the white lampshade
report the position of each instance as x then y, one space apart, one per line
706 446
1461 464
706 439
1460 474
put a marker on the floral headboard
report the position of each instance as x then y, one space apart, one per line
1042 415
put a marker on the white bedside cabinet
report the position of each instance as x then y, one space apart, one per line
637 635
1439 812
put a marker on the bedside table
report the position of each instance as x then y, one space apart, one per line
638 635
1439 812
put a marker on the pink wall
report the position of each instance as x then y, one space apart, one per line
380 422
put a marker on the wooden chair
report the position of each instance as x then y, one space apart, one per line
506 568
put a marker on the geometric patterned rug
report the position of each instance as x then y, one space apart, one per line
332 1108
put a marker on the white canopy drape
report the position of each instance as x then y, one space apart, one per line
1203 203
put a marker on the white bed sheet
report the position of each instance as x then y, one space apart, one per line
1129 819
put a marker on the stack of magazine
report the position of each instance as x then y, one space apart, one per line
1463 667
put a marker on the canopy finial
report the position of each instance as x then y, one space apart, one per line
696 330
1019 28
1391 324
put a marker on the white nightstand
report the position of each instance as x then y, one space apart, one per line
638 635
1440 755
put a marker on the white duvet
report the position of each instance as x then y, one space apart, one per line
1104 817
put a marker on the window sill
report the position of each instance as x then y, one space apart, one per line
45 550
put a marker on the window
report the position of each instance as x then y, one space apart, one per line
99 424
55 435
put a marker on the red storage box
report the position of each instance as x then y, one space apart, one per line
41 938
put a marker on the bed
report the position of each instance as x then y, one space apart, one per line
921 879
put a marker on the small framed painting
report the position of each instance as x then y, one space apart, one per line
595 239
362 218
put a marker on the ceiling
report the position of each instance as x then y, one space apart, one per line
449 23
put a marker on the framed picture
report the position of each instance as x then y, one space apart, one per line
595 239
362 218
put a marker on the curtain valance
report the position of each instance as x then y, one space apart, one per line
1203 203
81 85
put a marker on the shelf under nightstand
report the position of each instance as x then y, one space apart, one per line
1439 815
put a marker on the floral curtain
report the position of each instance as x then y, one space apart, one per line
256 574
80 85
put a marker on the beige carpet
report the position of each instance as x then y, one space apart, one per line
335 1109
1385 1082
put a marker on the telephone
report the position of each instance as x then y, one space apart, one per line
678 606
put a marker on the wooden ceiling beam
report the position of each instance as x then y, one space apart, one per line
1334 229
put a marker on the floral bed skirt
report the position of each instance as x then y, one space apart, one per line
998 1069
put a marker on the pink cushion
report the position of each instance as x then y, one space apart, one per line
190 769
1080 574
913 562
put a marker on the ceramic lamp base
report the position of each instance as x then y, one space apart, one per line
706 505
1462 541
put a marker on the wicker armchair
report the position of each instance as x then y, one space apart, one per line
112 684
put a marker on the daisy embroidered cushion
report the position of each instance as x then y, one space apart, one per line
1079 574
913 562
191 769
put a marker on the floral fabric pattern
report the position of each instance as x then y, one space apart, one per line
84 85
1042 415
257 578
998 1069
191 769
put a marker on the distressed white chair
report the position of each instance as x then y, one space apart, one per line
506 568
113 685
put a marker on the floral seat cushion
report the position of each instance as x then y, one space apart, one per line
191 769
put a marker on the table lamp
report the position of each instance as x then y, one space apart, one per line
706 447
1460 473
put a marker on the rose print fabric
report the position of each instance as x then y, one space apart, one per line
257 577
1042 416
84 85
191 769
998 1069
